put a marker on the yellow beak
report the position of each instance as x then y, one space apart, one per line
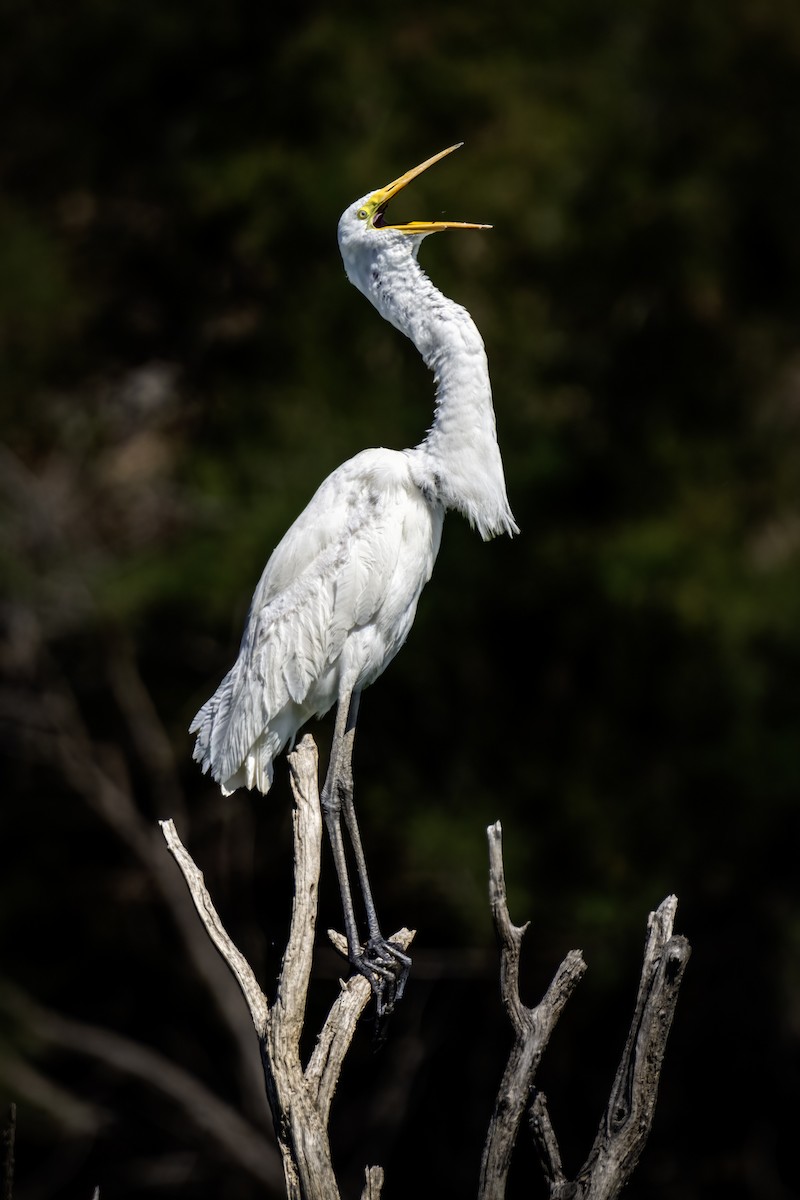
382 198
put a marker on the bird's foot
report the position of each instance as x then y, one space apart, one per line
386 966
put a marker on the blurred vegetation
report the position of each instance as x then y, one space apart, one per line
181 363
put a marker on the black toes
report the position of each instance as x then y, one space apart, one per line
386 967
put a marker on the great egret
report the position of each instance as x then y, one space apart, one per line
338 596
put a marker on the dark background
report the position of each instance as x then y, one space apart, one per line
182 361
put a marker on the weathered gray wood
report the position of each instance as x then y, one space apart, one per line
256 1000
628 1118
325 1064
373 1184
299 1098
532 1028
302 1132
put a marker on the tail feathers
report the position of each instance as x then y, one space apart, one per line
235 744
255 772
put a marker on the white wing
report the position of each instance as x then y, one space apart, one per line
333 606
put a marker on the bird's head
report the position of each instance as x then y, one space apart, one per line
365 234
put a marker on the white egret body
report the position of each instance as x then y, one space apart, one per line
339 594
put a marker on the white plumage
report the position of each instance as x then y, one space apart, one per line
334 605
339 594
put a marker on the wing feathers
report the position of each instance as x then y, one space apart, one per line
330 576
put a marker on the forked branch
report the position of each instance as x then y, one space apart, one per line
299 1098
628 1118
532 1028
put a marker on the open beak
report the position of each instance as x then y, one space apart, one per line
385 195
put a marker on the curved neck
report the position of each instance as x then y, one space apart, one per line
459 459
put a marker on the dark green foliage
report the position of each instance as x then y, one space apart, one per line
181 363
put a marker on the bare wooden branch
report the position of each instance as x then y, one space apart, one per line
325 1065
532 1027
373 1185
545 1141
292 991
299 1099
243 972
628 1118
302 1132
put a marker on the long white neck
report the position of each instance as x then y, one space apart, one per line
459 460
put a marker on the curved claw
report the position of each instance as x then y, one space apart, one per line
385 966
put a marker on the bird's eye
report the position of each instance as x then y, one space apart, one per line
362 214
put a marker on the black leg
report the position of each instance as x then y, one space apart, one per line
385 965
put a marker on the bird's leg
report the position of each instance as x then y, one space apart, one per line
377 946
331 801
382 963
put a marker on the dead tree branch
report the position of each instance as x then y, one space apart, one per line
300 1098
627 1121
532 1028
